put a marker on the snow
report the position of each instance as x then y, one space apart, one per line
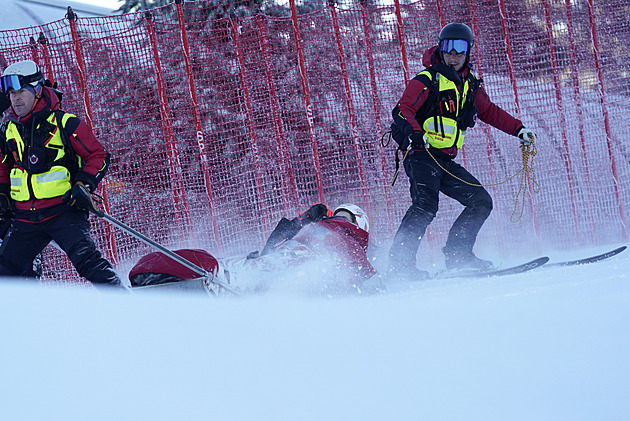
547 345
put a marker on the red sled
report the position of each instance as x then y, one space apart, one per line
159 269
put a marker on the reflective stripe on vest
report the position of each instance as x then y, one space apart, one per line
52 183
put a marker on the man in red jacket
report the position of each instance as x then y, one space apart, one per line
430 121
50 164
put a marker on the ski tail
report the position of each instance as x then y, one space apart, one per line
512 270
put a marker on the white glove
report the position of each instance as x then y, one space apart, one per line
527 136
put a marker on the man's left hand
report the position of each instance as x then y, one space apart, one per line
527 136
314 213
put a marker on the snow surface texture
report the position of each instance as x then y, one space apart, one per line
547 345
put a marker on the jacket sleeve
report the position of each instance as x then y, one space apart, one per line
93 153
285 230
414 96
6 163
490 113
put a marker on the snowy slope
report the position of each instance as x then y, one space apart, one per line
547 345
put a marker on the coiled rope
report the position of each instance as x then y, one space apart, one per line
528 152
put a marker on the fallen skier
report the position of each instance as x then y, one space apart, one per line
319 250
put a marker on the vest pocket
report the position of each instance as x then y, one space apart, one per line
445 135
53 183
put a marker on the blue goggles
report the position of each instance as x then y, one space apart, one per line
17 82
459 45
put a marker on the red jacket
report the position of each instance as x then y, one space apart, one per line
417 93
82 141
342 240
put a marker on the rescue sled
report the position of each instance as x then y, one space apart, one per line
159 272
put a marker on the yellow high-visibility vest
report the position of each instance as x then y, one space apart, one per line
55 180
441 131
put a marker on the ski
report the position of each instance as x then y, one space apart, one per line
591 259
524 267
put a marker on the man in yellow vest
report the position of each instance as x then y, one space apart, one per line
430 121
50 163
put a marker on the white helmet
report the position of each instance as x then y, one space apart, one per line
360 217
21 74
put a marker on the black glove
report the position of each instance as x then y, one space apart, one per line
414 141
5 207
48 83
78 197
314 213
88 180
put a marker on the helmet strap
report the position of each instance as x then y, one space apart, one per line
38 96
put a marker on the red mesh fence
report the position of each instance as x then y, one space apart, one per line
221 120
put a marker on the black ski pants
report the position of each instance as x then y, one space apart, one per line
427 180
71 231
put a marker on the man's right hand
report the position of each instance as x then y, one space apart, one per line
6 212
415 140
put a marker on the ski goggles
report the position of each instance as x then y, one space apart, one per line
353 217
18 82
459 45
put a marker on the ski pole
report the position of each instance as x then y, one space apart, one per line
207 275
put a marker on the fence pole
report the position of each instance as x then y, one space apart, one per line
34 51
376 111
43 41
307 99
76 43
172 155
577 101
568 166
356 142
430 239
401 41
510 62
609 140
203 158
289 186
439 4
491 145
249 113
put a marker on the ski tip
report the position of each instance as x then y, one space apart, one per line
591 259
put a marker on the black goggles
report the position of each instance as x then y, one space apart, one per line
459 45
353 217
18 82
